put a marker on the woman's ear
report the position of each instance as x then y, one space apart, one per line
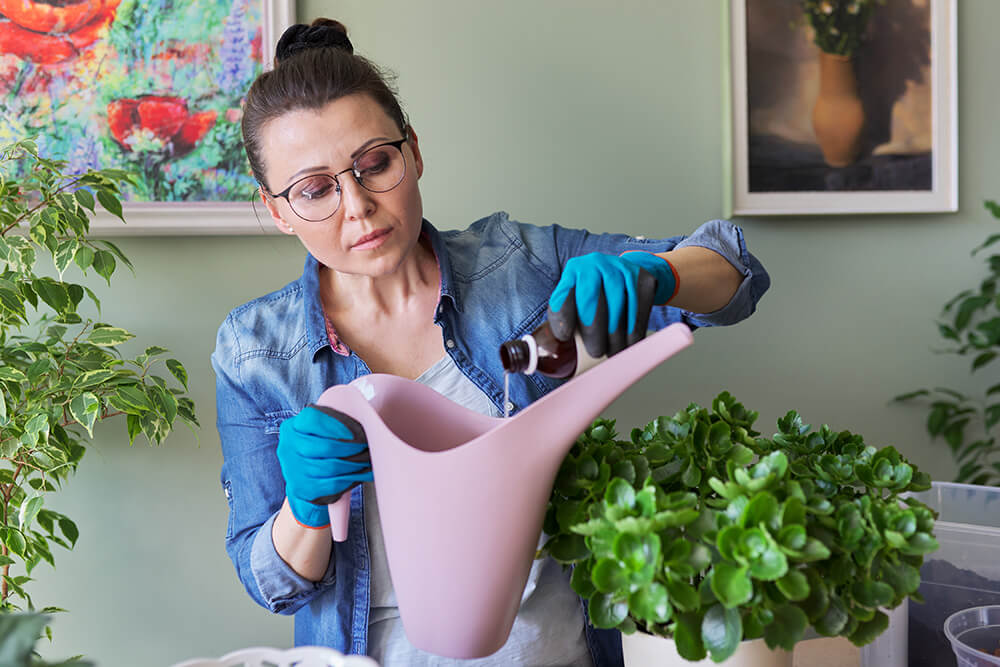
283 226
418 160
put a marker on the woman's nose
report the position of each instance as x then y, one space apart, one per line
357 202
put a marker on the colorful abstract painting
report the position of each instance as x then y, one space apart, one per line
151 86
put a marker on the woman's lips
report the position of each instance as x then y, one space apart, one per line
373 240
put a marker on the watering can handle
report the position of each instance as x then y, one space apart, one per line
340 513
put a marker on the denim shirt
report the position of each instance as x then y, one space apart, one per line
274 356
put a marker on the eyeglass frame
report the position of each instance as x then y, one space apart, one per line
398 145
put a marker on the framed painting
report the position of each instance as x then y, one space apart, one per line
842 106
151 86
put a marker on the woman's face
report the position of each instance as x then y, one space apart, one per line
371 233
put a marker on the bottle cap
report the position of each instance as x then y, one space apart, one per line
520 356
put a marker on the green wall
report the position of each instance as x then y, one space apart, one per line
556 111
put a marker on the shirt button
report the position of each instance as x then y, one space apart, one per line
450 343
510 406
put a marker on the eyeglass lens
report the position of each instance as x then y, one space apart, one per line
317 197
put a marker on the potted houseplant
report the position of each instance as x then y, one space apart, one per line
970 326
60 371
699 530
18 636
838 115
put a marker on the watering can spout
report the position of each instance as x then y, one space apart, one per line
462 496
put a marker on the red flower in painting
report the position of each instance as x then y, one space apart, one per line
54 31
154 123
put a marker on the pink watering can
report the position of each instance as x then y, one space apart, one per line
462 496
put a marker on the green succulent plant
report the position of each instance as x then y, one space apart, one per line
699 529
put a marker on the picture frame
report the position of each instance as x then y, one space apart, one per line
905 157
154 88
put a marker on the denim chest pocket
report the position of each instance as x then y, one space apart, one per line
272 420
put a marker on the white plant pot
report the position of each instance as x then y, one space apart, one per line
642 650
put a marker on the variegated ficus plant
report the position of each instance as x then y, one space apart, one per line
61 371
697 528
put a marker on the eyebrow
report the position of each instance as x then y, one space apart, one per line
361 149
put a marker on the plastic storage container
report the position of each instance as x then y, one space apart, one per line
975 636
963 573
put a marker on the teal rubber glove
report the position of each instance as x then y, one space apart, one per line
608 298
323 454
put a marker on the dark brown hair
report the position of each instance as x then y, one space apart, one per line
314 65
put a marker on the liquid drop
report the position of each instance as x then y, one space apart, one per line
506 394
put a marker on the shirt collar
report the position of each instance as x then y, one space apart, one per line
319 329
444 266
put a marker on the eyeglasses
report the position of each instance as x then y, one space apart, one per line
317 197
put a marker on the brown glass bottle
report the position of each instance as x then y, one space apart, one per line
541 352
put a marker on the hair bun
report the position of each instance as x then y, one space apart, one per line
322 33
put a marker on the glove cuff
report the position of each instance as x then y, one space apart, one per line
667 280
307 515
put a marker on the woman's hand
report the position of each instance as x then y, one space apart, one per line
608 298
323 454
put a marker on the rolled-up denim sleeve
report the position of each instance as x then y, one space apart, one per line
283 590
727 239
254 487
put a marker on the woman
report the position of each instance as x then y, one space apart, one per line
384 291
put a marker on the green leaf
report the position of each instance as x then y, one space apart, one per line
38 423
12 302
620 494
104 264
789 626
794 585
609 575
84 257
134 426
762 510
53 293
867 631
721 632
93 378
12 374
769 562
607 611
983 359
814 551
110 202
69 529
565 548
731 584
834 620
687 637
117 253
682 595
85 199
84 409
937 419
650 603
14 540
29 509
580 580
692 475
64 254
109 336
